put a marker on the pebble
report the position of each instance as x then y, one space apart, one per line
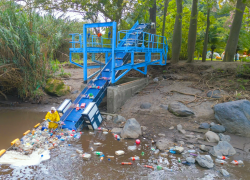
109 118
172 127
161 135
189 136
191 146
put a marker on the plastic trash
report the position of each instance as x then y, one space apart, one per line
102 129
142 153
101 157
135 158
83 105
105 132
79 151
91 133
220 161
126 163
131 148
98 153
186 163
97 144
110 156
191 151
152 149
86 156
137 141
179 160
163 154
119 152
222 157
156 151
77 107
173 152
147 166
237 162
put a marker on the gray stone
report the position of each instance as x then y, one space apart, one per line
224 173
182 131
109 118
216 93
190 160
119 119
189 136
164 144
132 129
172 127
190 146
212 137
223 148
145 105
179 127
74 92
161 135
204 148
181 142
224 137
205 161
218 128
164 107
180 109
116 130
144 128
204 126
212 124
234 116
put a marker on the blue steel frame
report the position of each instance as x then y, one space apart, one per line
130 41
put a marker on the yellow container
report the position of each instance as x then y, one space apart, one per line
2 152
26 132
13 142
36 125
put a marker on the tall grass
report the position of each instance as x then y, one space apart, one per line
28 42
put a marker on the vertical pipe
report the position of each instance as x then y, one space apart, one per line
113 53
132 57
106 57
85 71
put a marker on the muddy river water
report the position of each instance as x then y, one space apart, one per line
65 163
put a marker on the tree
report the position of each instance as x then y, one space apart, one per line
192 32
234 32
204 52
152 16
176 44
164 18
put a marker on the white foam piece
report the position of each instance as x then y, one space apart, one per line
17 159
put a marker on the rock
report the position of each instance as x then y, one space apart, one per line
182 131
145 105
212 124
223 148
216 93
172 127
204 126
144 128
164 144
190 146
56 87
199 137
161 135
132 129
224 173
74 92
119 119
204 148
212 137
190 160
180 109
116 130
224 137
189 136
205 161
109 118
218 128
164 107
179 127
132 148
181 142
234 116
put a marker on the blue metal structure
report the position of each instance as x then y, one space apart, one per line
129 42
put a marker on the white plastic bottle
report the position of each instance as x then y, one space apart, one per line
119 152
220 161
98 153
79 151
237 162
222 157
97 144
135 158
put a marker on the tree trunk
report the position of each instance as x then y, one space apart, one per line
164 18
192 32
234 32
204 52
176 42
152 16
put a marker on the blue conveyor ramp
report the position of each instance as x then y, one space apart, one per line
137 39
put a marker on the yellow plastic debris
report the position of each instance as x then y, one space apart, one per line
36 125
26 132
2 152
13 142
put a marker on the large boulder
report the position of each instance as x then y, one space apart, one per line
205 161
234 116
56 87
132 129
223 148
164 144
212 137
180 109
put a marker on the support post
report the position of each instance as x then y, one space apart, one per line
106 57
132 57
113 53
85 57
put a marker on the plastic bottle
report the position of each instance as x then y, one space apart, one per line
147 166
101 157
102 129
179 160
105 132
159 167
97 144
135 158
142 153
98 153
191 151
92 149
173 152
126 163
222 157
119 152
79 151
86 156
156 151
237 162
110 156
167 169
77 107
220 161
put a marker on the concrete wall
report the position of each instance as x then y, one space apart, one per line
118 95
